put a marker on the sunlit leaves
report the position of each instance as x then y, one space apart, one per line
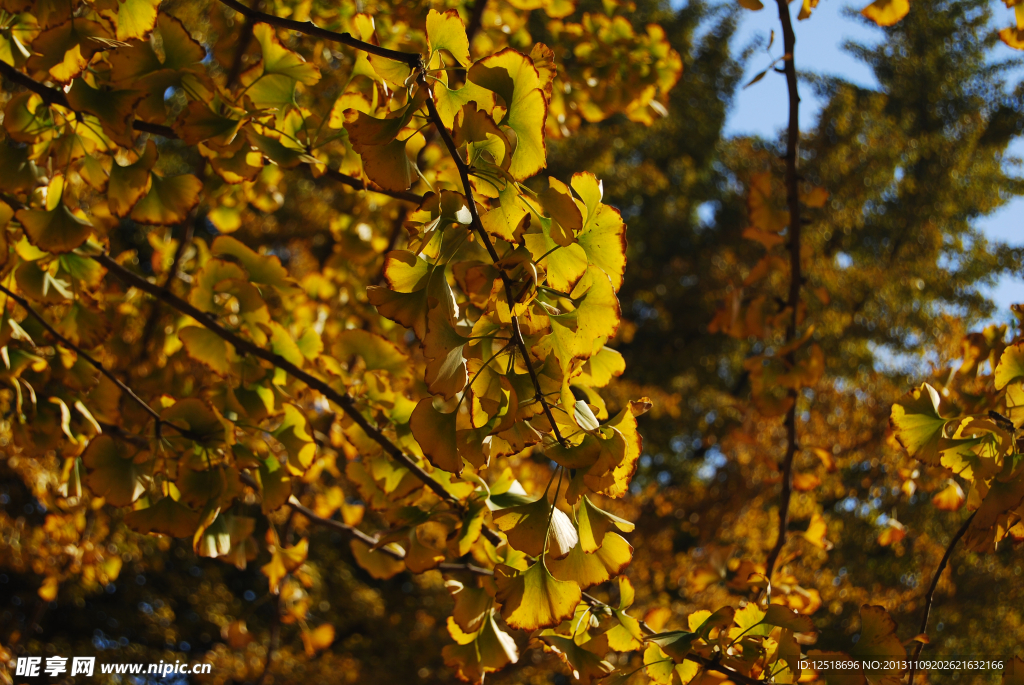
534 599
513 78
447 32
918 424
272 82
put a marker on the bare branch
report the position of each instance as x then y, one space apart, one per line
311 29
244 346
929 597
795 277
93 362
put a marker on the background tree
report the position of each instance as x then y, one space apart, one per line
269 311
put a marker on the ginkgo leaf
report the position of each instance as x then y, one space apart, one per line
586 666
512 76
450 102
489 650
565 265
1011 366
164 517
534 599
207 347
128 184
527 527
376 352
56 230
271 83
784 617
886 12
168 201
446 31
295 434
472 605
114 472
879 644
198 123
950 498
435 432
284 560
446 371
135 18
115 109
66 49
378 564
262 269
586 569
595 523
917 424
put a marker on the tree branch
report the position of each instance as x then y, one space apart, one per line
517 336
55 96
929 597
709 664
94 363
353 532
795 278
475 20
311 29
342 399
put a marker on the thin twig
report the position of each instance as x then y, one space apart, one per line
930 595
795 278
93 362
517 336
244 346
55 96
311 29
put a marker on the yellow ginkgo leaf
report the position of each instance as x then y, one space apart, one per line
377 563
596 523
950 498
168 201
165 517
586 569
534 599
886 12
446 31
135 18
284 560
56 230
435 432
512 76
488 650
527 527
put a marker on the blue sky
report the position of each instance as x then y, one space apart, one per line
762 109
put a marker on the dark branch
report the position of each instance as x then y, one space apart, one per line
929 597
359 184
244 346
795 276
311 29
93 362
476 20
517 336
